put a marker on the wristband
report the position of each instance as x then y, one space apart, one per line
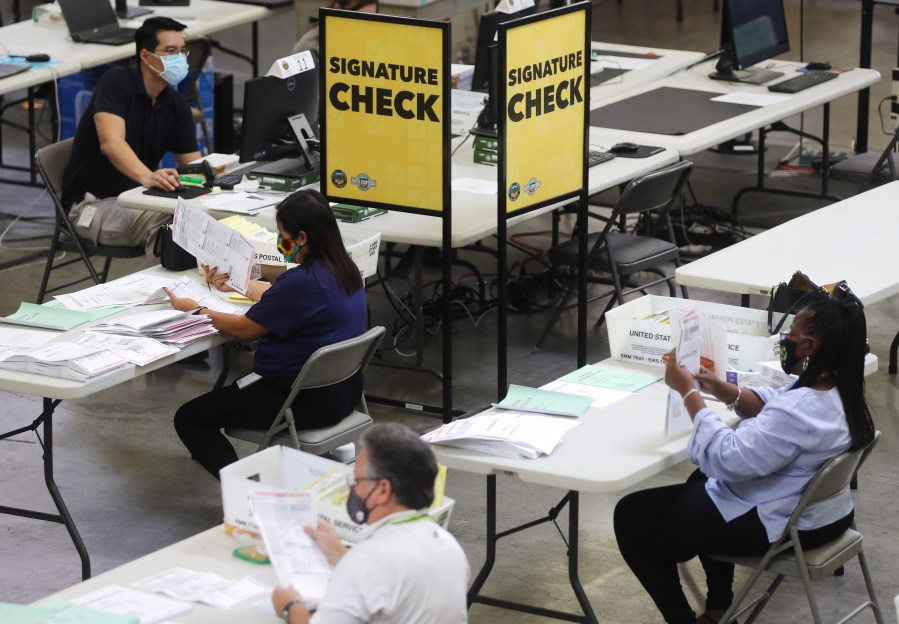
200 310
688 393
733 406
285 612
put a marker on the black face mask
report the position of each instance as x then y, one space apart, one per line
788 357
355 506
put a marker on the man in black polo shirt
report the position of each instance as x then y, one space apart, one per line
133 118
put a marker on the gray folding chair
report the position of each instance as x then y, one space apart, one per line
786 557
51 162
623 254
329 365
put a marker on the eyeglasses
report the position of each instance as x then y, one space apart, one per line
172 51
352 480
793 337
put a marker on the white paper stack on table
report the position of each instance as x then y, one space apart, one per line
63 359
131 290
170 327
462 76
205 587
506 434
146 608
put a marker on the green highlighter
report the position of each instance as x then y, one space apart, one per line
187 180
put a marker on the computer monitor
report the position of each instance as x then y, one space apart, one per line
488 120
752 31
268 104
486 37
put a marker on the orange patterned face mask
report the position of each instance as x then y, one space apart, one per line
288 248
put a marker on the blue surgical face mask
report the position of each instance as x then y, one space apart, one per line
174 68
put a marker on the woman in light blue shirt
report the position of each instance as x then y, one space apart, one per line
750 478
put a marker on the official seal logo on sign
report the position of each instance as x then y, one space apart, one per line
514 191
285 65
363 182
531 187
338 178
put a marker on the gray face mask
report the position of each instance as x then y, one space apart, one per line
355 507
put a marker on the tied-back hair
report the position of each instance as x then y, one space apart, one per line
147 36
308 211
841 331
398 454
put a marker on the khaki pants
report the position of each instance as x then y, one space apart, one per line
116 226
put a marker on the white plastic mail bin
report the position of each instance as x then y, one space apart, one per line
633 339
278 469
361 244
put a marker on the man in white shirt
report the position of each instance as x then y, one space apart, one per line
405 568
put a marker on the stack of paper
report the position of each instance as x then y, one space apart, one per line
206 587
462 76
63 359
170 327
147 608
59 612
253 232
24 338
242 202
138 350
53 315
512 435
526 399
131 290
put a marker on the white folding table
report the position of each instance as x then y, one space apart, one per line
616 447
55 389
204 16
852 240
691 142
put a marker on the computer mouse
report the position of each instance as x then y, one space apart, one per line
180 189
818 66
37 58
624 148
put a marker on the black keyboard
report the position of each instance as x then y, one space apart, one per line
800 83
595 157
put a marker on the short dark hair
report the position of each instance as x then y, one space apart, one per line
147 36
398 454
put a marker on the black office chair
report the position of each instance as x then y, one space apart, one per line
51 162
620 254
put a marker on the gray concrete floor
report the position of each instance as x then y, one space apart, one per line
132 489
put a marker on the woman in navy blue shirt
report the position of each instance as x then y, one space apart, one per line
319 302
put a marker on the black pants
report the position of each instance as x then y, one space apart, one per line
199 422
658 528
